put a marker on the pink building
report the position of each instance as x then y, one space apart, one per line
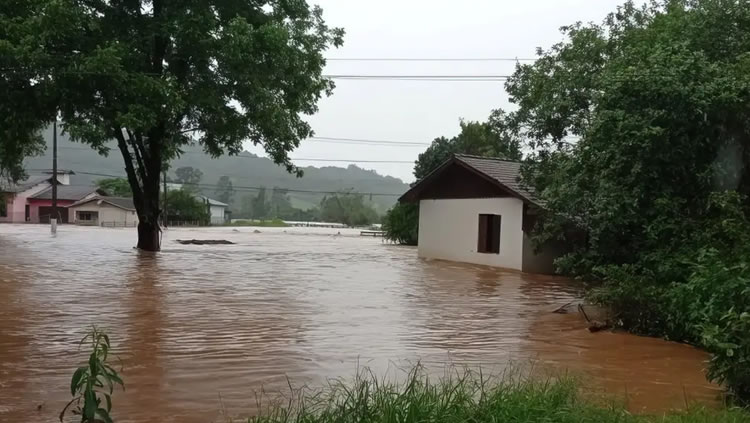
14 198
40 204
31 199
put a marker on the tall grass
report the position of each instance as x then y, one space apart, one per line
464 396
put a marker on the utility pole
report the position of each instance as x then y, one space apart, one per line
53 218
164 221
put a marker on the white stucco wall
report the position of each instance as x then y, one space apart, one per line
108 214
217 214
449 230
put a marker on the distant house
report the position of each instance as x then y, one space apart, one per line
217 209
473 210
40 204
14 196
104 211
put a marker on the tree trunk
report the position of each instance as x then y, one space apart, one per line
149 235
144 169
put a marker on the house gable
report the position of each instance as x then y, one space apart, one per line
459 182
460 178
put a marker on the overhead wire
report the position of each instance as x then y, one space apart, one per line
250 188
291 158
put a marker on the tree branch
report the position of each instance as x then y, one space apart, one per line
130 170
138 157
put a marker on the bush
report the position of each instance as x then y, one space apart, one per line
401 224
695 291
714 305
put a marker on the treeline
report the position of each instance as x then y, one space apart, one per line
637 133
349 208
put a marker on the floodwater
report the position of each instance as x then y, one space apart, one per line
200 330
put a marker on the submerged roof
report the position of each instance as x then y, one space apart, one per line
213 202
503 173
125 203
67 192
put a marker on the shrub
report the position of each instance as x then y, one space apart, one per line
401 224
696 290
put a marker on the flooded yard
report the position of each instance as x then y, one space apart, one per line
201 328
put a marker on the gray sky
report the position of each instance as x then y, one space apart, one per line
420 111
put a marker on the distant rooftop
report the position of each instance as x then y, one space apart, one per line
67 192
213 202
125 203
23 185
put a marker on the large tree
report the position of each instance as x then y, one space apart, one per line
156 75
224 190
640 131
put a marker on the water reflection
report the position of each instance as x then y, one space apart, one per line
194 323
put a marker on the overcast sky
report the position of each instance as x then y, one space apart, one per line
420 111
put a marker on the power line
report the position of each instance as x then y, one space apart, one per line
252 188
291 158
364 77
301 159
368 141
430 59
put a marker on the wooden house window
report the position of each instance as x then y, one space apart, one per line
489 234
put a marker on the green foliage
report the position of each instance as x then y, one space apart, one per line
94 383
224 190
184 206
118 187
3 205
639 129
159 76
495 138
463 396
401 224
347 208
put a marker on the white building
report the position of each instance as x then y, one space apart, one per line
473 210
105 211
217 209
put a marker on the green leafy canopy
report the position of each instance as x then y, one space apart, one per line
157 75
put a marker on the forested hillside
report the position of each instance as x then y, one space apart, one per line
246 172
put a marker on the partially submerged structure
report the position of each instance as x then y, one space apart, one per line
474 210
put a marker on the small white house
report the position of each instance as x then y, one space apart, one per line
473 210
217 209
104 211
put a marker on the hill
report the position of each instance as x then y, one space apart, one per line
247 172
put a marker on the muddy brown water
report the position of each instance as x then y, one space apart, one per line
201 329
